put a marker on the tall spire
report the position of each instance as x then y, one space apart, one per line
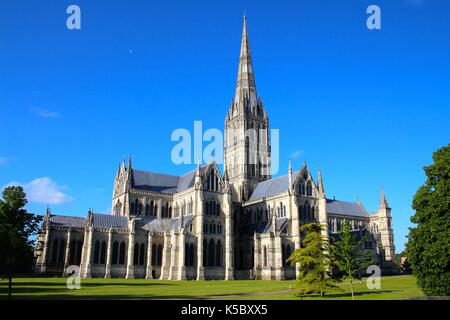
245 86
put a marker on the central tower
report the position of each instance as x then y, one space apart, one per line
247 142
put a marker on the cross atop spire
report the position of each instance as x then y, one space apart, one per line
245 86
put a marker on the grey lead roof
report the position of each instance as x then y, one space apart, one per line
100 221
346 208
152 181
110 221
187 181
160 225
120 222
272 187
164 183
67 221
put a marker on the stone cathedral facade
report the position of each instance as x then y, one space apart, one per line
205 225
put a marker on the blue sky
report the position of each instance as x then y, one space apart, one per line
369 107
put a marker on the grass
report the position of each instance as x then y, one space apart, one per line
395 287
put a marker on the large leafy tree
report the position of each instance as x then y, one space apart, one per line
313 259
348 256
428 247
17 226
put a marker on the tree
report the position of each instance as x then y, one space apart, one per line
16 227
313 274
428 247
348 256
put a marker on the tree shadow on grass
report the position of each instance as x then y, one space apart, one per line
86 284
29 290
357 293
105 297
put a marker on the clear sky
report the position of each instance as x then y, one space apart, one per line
368 106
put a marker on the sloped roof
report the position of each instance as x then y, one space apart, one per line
160 225
346 208
152 181
164 183
110 221
272 187
99 220
187 181
67 221
186 220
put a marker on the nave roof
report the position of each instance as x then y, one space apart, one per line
99 221
164 183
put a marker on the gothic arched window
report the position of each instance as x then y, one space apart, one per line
191 255
73 251
115 253
218 209
159 255
219 254
79 251
212 210
154 255
103 253
136 254
307 211
141 254
62 250
152 211
205 252
211 253
122 253
309 189
288 253
302 188
186 255
136 206
265 256
97 252
55 250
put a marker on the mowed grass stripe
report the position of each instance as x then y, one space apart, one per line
395 287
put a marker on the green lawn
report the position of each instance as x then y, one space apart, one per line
395 287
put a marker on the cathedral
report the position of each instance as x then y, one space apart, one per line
242 224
